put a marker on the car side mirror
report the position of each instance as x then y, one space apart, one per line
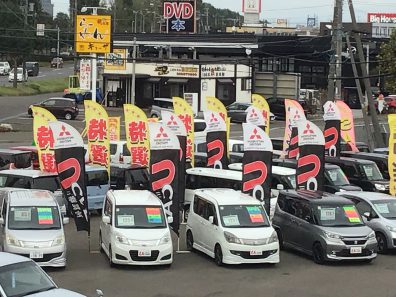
280 187
106 219
65 221
170 220
211 219
1 221
367 215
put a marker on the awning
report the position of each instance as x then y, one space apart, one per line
154 79
225 80
177 81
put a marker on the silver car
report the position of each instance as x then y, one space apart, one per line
326 226
379 213
159 105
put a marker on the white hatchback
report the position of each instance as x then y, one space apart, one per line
231 227
134 229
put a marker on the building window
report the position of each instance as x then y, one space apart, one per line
246 84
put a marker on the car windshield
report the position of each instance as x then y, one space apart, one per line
243 216
97 178
387 208
139 217
49 183
371 171
1 64
137 179
25 278
33 218
22 160
336 177
337 215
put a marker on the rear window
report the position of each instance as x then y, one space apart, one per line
23 160
137 179
163 104
50 183
113 149
199 126
97 178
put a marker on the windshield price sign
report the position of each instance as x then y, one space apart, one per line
93 34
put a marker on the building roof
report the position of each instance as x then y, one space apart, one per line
135 197
227 197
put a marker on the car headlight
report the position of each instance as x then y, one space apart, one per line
165 240
332 236
273 238
122 239
231 238
371 235
380 187
12 241
390 228
60 240
342 190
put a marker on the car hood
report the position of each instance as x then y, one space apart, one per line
58 293
358 231
350 188
251 233
35 235
390 222
144 234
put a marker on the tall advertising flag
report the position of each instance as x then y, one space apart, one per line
257 164
175 124
216 140
347 125
332 133
255 116
259 102
214 104
115 128
310 165
137 134
164 170
98 134
43 138
294 113
69 155
392 154
185 113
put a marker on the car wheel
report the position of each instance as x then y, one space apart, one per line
218 255
111 263
100 243
382 243
190 241
318 255
68 116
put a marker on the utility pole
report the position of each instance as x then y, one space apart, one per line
134 55
367 126
339 34
367 85
207 20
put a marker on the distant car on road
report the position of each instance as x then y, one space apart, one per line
237 112
4 68
20 76
57 63
159 105
60 107
32 68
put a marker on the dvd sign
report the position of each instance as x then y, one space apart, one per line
180 16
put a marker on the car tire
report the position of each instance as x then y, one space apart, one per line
318 254
218 255
111 263
189 241
68 116
382 243
100 243
280 239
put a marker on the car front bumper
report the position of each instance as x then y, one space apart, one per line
241 254
52 256
339 252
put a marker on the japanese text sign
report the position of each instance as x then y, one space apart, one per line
93 34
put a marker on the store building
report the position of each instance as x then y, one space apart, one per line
383 24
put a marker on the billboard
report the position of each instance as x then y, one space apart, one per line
382 18
116 60
93 34
180 16
251 6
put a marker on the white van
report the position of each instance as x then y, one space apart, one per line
119 152
134 229
32 226
231 227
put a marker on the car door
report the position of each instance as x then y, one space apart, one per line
106 228
50 106
283 219
209 230
197 220
304 237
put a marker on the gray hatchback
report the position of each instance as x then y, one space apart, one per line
325 226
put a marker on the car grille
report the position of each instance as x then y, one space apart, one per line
354 242
246 255
135 257
45 258
36 244
262 241
347 253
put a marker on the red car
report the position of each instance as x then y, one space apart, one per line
33 153
391 103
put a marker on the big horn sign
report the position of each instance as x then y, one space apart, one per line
164 170
180 16
310 165
332 131
257 164
69 155
294 113
216 140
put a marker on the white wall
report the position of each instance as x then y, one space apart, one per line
242 96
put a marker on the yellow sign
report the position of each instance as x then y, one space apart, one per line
116 60
93 34
392 154
115 128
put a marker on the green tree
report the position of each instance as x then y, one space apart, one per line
388 63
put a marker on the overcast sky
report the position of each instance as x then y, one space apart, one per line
295 11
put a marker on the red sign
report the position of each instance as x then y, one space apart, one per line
382 18
182 10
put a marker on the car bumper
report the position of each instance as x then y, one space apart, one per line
240 254
336 252
128 255
52 257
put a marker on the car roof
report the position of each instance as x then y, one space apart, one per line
278 170
8 259
60 98
127 166
348 159
27 173
218 173
163 99
368 196
370 155
12 152
31 198
226 197
135 197
315 196
90 168
294 162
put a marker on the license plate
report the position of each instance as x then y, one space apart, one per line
256 253
356 250
144 253
36 255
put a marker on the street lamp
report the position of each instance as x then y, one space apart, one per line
248 52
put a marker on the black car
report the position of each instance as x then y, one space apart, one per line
14 159
134 177
335 179
363 173
362 146
277 107
32 68
237 112
60 107
380 159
